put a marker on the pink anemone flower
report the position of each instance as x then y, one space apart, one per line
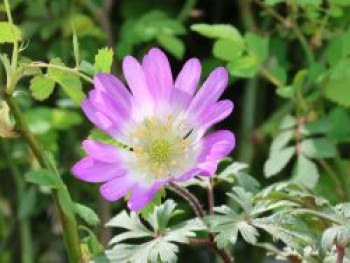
162 123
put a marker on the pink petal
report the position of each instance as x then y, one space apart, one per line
215 146
91 170
142 195
113 87
216 113
210 92
116 188
189 76
102 152
136 79
158 74
99 119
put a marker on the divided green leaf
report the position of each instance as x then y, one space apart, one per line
104 60
41 87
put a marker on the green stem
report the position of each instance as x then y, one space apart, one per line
69 224
186 9
15 43
71 70
26 241
304 44
24 222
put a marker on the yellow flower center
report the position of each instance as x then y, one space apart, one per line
160 150
160 147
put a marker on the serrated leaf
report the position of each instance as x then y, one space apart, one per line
65 202
288 122
337 87
103 60
248 232
69 82
340 120
318 126
278 160
87 214
306 172
227 49
157 243
41 87
9 33
244 67
218 31
172 44
257 45
318 148
44 177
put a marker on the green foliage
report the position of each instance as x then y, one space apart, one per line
103 60
41 87
162 237
318 148
278 159
44 177
218 32
87 214
155 25
69 82
9 33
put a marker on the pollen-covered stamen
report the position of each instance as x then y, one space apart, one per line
161 148
160 151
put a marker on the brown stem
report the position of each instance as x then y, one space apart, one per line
192 200
340 253
195 204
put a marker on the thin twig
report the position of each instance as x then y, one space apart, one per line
340 253
192 200
71 70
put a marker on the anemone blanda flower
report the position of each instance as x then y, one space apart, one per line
163 124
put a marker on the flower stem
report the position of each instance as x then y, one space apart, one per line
69 224
192 200
71 70
340 253
195 204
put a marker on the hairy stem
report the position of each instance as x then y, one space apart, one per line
71 70
340 253
190 198
69 224
195 204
